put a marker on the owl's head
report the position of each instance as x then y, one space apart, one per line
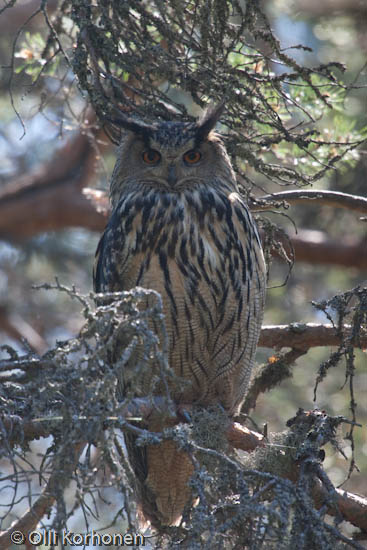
171 156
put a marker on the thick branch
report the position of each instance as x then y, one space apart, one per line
353 508
305 336
18 430
240 437
298 336
51 198
329 198
316 247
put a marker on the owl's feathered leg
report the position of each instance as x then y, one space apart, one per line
163 473
169 471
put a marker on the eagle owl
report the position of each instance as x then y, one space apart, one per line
179 226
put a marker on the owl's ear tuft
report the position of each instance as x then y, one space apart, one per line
128 123
210 119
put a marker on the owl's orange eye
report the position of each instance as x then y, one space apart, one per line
151 157
192 156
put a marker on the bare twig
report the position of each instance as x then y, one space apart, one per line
63 468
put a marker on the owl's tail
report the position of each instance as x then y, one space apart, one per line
162 475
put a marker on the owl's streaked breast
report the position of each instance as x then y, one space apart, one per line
200 250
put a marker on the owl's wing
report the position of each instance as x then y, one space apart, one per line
234 340
111 258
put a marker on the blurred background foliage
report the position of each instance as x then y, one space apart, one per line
45 96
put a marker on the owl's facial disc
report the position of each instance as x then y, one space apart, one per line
171 156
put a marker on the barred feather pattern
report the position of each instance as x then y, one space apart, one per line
198 246
202 252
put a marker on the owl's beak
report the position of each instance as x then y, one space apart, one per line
172 176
